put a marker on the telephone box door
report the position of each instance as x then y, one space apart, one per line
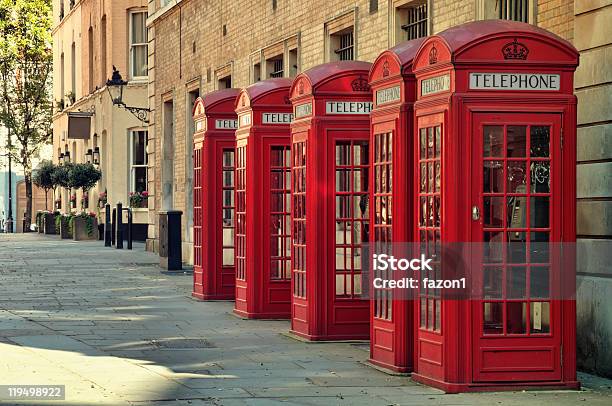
348 173
516 195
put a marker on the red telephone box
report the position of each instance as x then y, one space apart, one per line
213 195
495 156
330 213
394 93
263 256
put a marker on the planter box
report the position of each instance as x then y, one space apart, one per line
40 224
80 229
65 229
49 223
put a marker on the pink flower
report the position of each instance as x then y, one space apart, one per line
145 193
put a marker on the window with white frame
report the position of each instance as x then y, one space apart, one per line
138 44
138 160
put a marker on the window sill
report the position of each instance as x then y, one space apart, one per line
140 209
141 80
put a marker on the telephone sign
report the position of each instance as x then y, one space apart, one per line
276 118
226 124
348 107
515 81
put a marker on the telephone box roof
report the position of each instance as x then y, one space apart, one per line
396 60
212 98
406 51
261 88
464 36
326 71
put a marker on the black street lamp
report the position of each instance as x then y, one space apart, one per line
60 159
9 220
88 156
67 157
115 89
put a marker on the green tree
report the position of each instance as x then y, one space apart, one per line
43 178
26 64
83 176
61 175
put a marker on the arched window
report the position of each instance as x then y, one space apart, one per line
90 59
62 77
103 71
73 71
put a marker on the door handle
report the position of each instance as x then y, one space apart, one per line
475 213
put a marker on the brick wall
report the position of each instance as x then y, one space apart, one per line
557 16
186 41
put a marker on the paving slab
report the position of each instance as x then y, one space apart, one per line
116 331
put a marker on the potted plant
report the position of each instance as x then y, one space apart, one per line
71 97
60 105
48 221
58 223
61 177
39 221
84 177
65 230
84 226
139 199
43 178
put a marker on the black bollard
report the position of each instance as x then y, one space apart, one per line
119 227
113 226
129 228
107 226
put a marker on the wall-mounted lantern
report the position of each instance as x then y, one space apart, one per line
96 156
115 89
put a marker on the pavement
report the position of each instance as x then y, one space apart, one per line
115 330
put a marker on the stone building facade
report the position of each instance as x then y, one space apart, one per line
593 82
90 37
197 46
